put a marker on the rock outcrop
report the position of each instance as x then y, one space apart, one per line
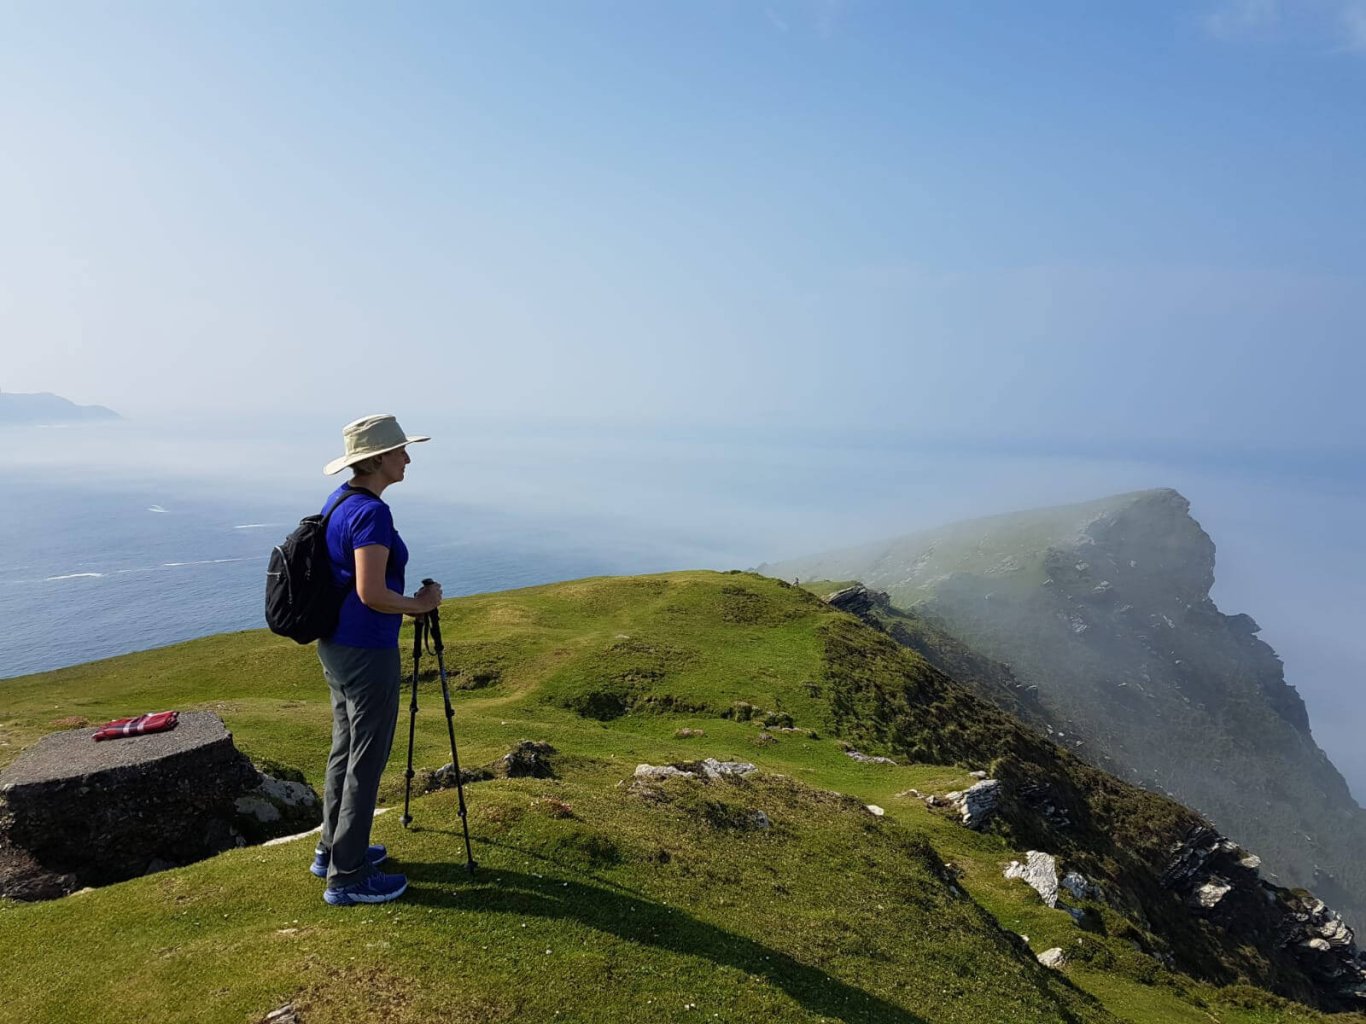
1221 883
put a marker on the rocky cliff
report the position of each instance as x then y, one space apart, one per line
1100 617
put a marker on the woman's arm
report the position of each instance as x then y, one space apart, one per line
374 592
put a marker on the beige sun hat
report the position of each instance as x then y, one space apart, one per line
370 435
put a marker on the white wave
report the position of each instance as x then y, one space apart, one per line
76 576
155 508
202 561
254 526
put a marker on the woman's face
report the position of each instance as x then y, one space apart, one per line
393 463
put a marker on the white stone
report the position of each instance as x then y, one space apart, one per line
1052 958
875 810
715 769
1040 871
661 771
1209 894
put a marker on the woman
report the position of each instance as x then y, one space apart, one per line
361 659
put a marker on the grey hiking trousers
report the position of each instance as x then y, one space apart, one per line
365 685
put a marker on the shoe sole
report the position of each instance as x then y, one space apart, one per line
351 898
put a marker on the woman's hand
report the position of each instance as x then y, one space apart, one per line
428 598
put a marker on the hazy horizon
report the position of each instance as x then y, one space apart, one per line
1287 552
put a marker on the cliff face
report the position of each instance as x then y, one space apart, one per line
1102 614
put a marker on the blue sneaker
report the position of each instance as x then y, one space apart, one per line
378 888
322 859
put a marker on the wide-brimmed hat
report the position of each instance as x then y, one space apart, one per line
367 436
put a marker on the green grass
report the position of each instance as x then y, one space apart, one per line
593 902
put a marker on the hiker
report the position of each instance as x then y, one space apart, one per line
361 659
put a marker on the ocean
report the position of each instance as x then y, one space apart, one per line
97 569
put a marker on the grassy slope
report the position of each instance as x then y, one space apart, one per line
591 904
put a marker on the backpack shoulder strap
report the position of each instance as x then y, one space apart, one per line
349 494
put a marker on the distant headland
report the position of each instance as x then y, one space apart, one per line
46 407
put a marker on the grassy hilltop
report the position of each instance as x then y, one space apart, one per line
595 901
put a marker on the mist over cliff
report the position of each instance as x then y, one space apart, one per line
1102 612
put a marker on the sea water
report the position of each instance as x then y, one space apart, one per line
96 569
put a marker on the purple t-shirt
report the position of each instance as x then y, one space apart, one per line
358 523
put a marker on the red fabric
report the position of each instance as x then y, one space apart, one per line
158 721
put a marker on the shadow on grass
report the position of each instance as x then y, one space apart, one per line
648 924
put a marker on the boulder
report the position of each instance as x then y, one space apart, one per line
979 802
276 807
1053 958
1040 871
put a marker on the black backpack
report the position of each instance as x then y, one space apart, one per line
303 600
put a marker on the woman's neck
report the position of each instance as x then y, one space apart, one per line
372 482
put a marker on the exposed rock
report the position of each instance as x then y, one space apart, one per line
658 772
978 803
1053 958
706 770
875 810
276 807
529 759
863 758
714 769
1209 894
283 1015
74 812
1040 871
1216 879
1080 887
856 600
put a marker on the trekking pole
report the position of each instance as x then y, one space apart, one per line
412 719
434 625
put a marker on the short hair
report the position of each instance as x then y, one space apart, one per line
366 466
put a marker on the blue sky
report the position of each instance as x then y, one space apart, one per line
985 221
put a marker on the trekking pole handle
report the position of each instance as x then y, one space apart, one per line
434 618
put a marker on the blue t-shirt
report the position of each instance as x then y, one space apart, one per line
357 523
